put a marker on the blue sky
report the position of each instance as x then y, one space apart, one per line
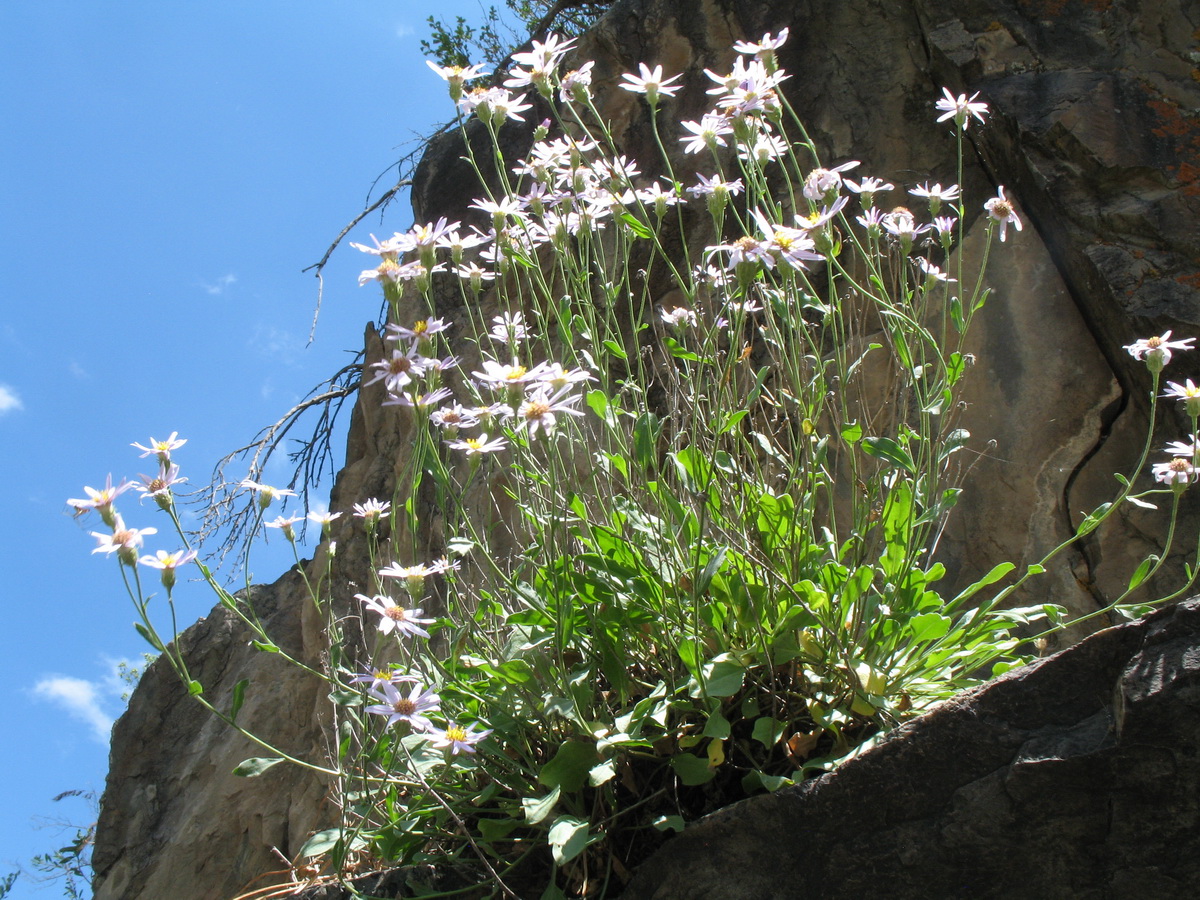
166 171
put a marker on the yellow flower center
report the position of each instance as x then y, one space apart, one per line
456 733
396 613
535 409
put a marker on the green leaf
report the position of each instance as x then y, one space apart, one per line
646 431
955 366
239 697
1092 522
570 767
731 420
998 571
678 352
929 627
768 731
602 773
195 688
568 837
852 433
495 829
710 569
598 401
669 823
1142 571
956 315
636 226
321 842
459 546
615 349
255 766
265 648
692 770
723 676
148 636
537 808
717 726
759 781
890 451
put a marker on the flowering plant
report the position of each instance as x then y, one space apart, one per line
716 410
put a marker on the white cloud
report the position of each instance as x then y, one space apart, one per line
221 284
278 344
9 400
403 31
78 371
80 700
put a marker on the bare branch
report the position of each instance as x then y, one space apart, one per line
220 499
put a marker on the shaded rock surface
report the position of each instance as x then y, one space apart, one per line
1096 134
1075 777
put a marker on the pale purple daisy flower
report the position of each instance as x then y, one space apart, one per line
123 541
162 448
458 738
266 493
960 108
1001 209
394 617
167 563
651 83
540 408
1156 351
1178 471
102 500
1189 393
410 709
478 445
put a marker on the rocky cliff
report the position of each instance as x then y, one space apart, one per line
1095 132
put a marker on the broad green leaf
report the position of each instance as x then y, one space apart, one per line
717 726
692 770
537 808
255 766
669 823
598 401
852 433
768 731
570 767
929 627
602 773
495 829
615 349
759 781
265 648
723 677
324 841
568 837
195 688
889 451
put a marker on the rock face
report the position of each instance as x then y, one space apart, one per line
1095 132
1074 777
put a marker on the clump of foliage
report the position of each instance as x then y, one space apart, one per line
689 477
491 42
